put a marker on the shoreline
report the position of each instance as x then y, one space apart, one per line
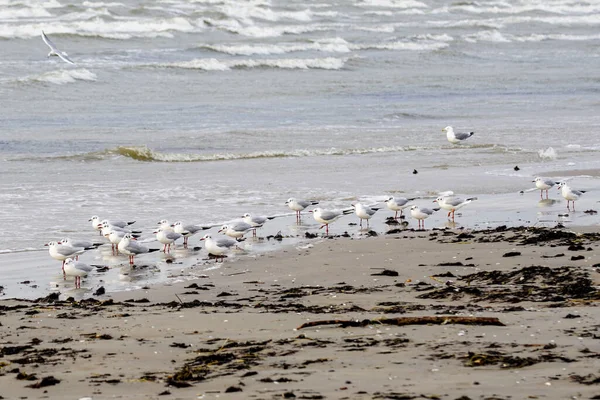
236 331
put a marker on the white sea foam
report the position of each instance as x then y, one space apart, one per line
212 64
486 36
99 4
334 45
547 154
392 4
61 76
248 11
27 12
112 29
256 31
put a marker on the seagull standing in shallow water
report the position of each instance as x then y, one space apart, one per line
569 194
421 214
218 245
543 184
54 51
397 204
452 203
78 270
458 137
299 205
364 212
326 217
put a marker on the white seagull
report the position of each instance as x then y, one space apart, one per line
236 229
114 237
543 184
421 214
78 270
218 245
452 203
299 205
456 137
326 217
131 248
364 212
54 51
398 204
569 194
187 230
166 237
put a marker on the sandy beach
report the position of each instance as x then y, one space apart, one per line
234 332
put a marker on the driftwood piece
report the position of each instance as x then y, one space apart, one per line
401 321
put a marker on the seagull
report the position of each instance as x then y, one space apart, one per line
131 248
326 217
114 237
543 184
167 237
569 194
54 51
236 229
187 230
398 204
456 137
452 203
218 245
61 252
78 270
364 212
421 214
299 205
255 221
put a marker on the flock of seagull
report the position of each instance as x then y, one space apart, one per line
123 241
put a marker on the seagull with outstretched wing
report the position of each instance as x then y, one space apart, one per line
54 51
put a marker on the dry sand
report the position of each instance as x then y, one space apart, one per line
234 334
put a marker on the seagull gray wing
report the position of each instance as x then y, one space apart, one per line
68 251
427 211
224 241
578 192
241 226
194 228
329 215
136 248
549 182
173 235
83 267
455 201
463 135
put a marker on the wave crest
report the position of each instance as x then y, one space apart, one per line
143 153
212 64
60 77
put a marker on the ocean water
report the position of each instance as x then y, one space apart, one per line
203 110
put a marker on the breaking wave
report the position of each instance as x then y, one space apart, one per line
212 64
145 154
60 77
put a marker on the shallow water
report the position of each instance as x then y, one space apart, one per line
204 110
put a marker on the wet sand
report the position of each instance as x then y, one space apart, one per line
233 332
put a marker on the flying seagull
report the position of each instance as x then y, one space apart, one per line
56 52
